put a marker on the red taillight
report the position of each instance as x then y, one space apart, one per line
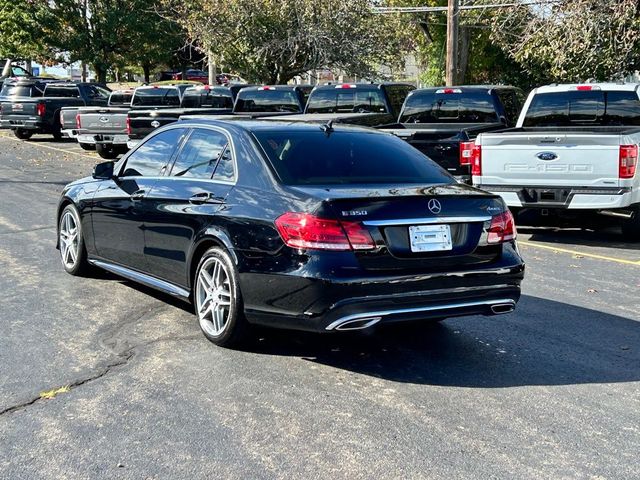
266 88
345 85
303 230
502 229
584 88
628 161
448 90
476 160
466 152
78 122
128 125
41 108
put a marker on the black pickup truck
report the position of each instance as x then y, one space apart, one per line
442 122
382 101
150 111
28 115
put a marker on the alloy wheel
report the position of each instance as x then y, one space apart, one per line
69 240
213 296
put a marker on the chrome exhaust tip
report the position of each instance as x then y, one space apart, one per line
501 308
358 323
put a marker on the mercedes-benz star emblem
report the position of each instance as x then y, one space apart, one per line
434 206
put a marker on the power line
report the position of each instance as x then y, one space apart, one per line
461 7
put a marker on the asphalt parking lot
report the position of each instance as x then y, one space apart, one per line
137 392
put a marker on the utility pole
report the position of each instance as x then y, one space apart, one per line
452 43
212 67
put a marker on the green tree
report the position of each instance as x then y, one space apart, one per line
19 29
271 41
572 40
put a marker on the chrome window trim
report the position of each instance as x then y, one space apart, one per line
425 221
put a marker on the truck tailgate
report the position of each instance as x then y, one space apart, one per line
18 107
550 159
104 121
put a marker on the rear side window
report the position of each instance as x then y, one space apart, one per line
156 97
200 154
583 108
465 107
152 157
61 91
346 100
344 158
267 101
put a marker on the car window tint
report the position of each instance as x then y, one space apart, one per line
267 101
61 91
156 96
225 170
465 107
209 98
346 100
200 154
120 98
153 155
315 158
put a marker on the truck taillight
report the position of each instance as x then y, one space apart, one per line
466 152
306 231
476 160
41 109
128 123
502 228
628 161
78 121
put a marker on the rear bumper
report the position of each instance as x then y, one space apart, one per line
70 133
107 139
27 123
327 304
572 198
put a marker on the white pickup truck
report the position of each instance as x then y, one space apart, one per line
572 157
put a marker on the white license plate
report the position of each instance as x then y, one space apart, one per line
430 238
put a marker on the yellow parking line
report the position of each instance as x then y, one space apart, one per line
70 152
575 252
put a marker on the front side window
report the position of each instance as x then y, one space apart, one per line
97 93
200 154
61 91
153 156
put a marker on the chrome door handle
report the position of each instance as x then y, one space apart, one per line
204 197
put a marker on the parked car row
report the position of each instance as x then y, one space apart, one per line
569 155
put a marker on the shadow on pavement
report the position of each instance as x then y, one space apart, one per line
543 343
609 238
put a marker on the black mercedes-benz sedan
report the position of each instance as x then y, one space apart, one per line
293 225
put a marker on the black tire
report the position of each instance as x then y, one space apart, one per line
23 134
236 329
631 227
87 146
108 152
78 265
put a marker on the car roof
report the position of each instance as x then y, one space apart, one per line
361 85
463 88
567 87
252 125
256 88
208 88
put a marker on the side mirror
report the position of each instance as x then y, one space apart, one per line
103 171
503 120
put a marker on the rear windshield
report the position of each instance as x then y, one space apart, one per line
595 107
21 91
267 101
156 97
344 158
120 98
208 99
465 107
61 91
346 100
